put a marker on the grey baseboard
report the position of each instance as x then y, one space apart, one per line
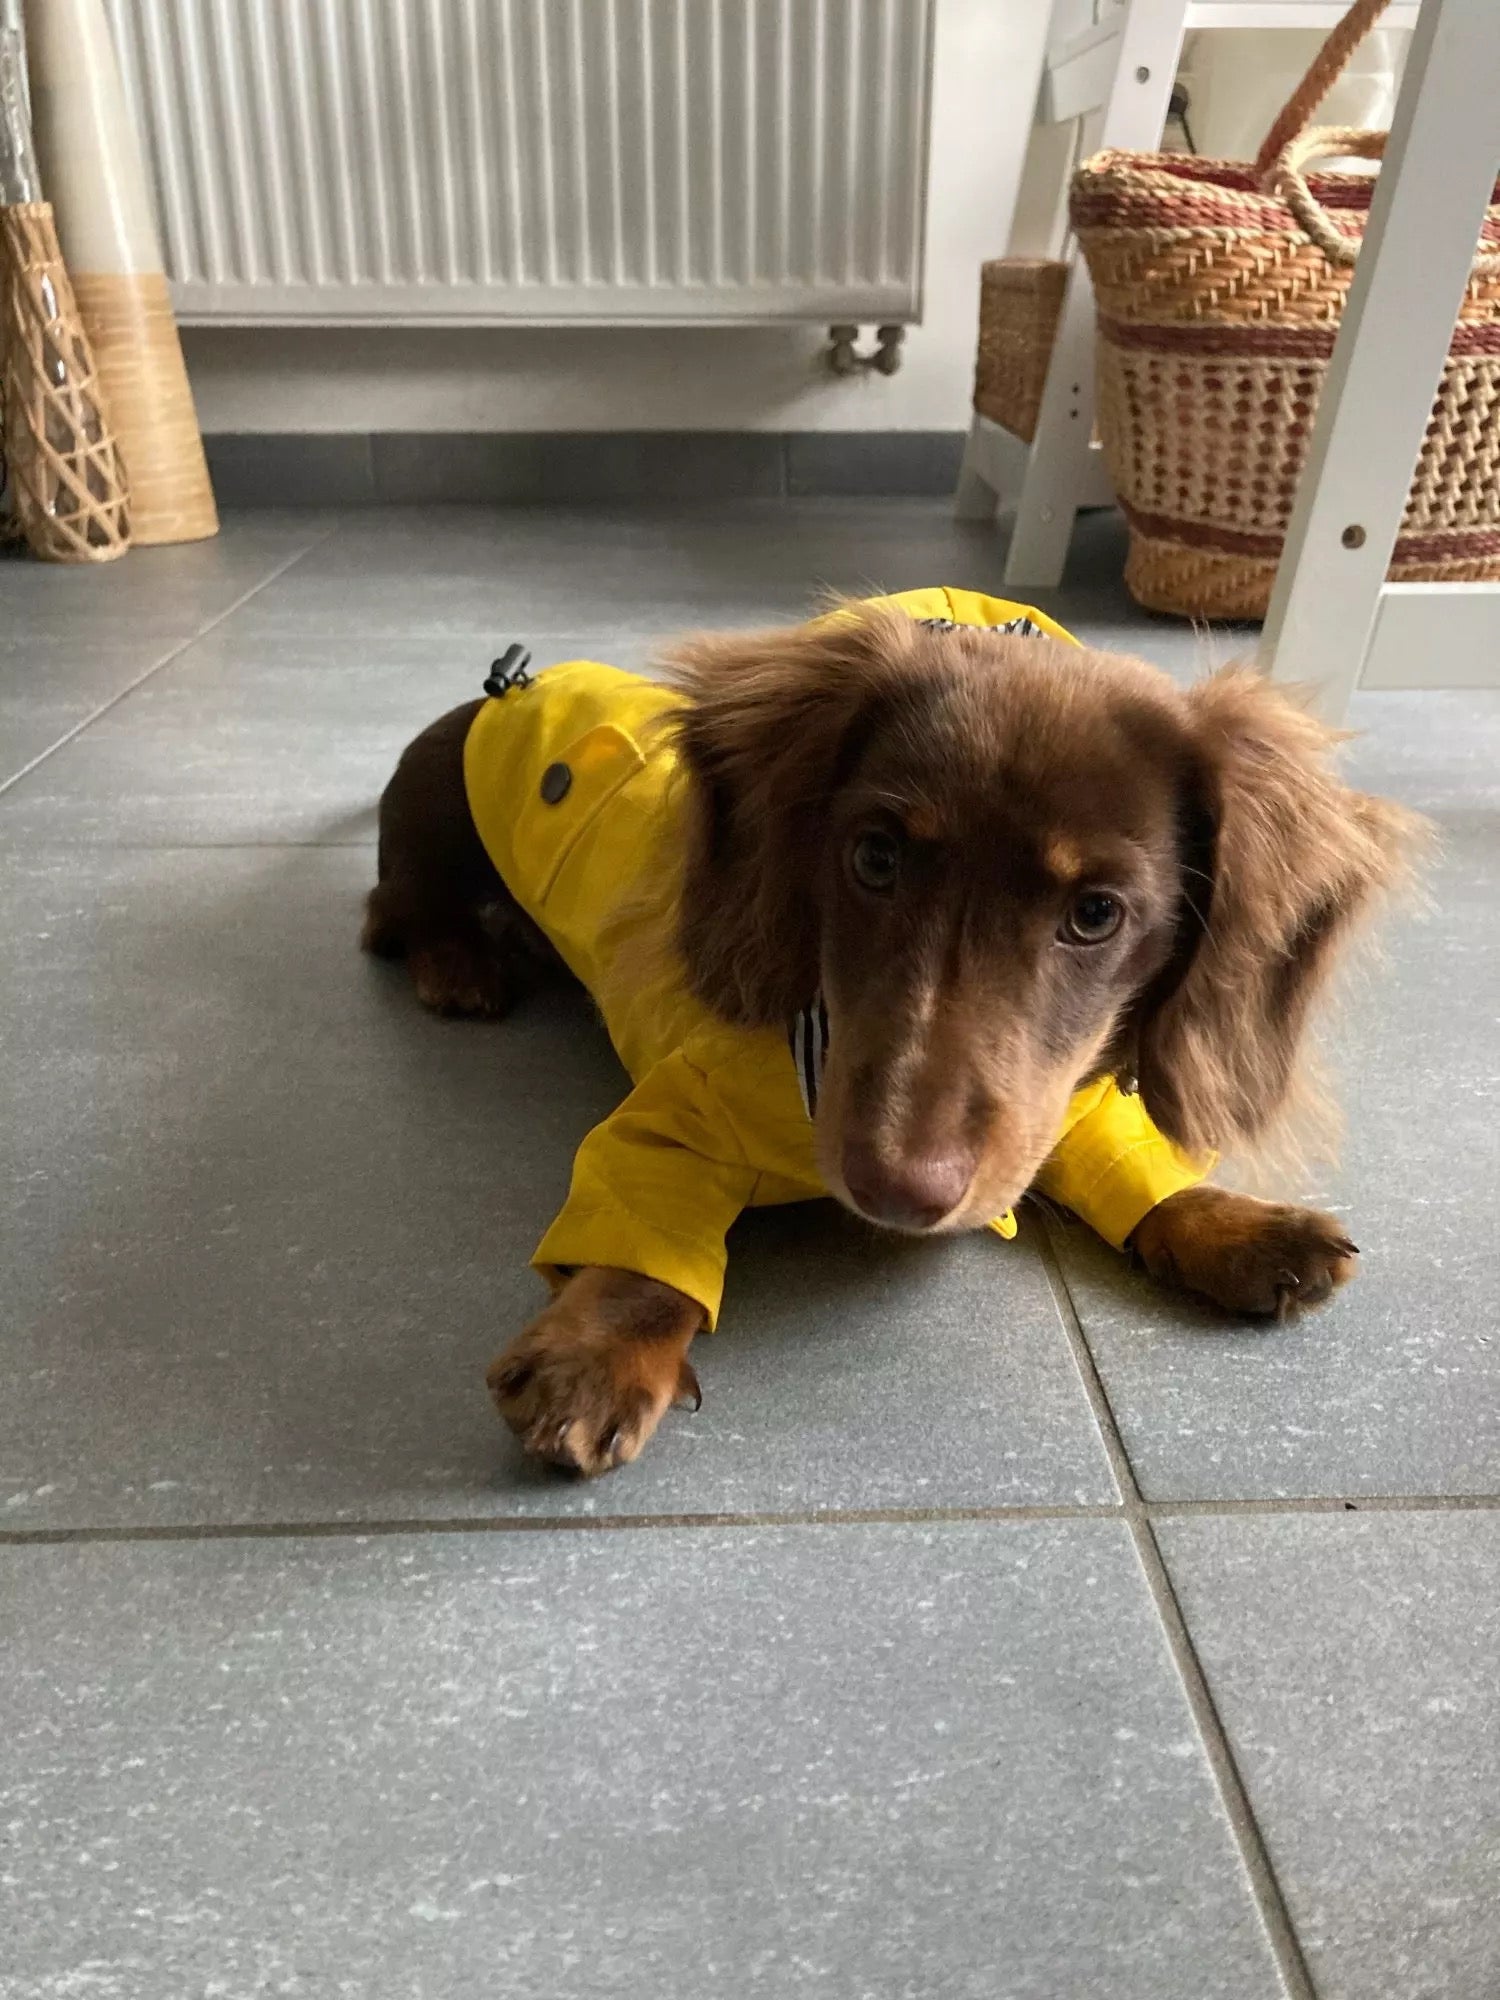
527 468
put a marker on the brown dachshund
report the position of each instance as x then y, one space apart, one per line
1007 866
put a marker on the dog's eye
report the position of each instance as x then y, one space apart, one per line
1093 916
875 859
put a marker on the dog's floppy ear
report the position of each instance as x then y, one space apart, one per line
772 724
1288 861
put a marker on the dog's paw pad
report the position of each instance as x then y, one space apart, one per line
583 1410
455 978
1267 1259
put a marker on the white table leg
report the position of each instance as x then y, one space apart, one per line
1057 472
1439 170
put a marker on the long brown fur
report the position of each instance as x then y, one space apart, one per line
769 720
1299 860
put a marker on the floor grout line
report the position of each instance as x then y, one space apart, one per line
167 659
1255 1858
1318 1503
1088 1374
530 1524
823 1517
1254 1855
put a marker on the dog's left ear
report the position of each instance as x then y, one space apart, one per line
1290 861
771 725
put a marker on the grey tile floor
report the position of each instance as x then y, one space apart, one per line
999 1628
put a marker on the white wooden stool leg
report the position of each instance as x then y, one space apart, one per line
974 499
1038 228
1439 170
1058 474
1058 463
1039 221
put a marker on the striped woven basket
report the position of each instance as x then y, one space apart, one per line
1220 287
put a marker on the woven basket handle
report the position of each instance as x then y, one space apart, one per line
1289 181
1328 66
1334 142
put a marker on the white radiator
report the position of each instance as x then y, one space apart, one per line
553 161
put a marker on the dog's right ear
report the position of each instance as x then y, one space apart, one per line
772 725
1293 863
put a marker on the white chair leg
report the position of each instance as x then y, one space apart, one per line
1058 475
1439 170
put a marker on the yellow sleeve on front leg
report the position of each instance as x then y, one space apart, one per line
655 1188
1111 1165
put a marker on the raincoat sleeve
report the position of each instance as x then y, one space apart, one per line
1112 1166
656 1187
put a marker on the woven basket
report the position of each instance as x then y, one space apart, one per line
1220 287
67 484
1020 302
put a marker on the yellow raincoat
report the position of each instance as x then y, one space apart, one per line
568 783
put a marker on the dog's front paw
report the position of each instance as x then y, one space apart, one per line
1248 1256
588 1382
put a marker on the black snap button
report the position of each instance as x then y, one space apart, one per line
557 781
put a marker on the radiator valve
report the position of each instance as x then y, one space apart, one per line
844 357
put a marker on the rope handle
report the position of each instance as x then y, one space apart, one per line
1289 181
1326 68
1290 145
1340 142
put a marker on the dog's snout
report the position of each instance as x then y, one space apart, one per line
915 1193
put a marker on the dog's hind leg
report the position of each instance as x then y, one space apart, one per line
438 901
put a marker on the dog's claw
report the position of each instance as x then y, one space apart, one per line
1343 1244
549 1441
688 1390
1288 1293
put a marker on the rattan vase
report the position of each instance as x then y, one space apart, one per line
67 484
92 169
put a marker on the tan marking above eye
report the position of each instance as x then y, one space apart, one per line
1063 858
922 823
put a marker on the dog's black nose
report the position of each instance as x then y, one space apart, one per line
908 1194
